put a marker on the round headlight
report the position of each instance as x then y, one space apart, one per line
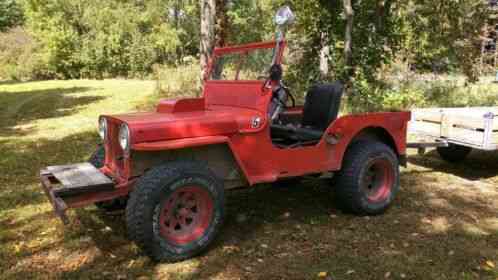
103 128
124 137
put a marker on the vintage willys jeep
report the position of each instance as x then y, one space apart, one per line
171 168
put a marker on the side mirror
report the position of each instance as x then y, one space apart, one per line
284 17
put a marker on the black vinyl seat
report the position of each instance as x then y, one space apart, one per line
321 108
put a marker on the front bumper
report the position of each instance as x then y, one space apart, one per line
76 185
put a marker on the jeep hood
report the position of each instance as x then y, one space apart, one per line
220 120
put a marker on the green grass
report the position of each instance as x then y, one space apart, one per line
443 224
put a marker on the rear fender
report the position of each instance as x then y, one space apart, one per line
389 128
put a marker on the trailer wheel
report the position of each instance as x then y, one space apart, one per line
454 153
97 160
369 178
175 210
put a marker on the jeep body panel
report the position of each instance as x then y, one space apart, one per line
227 128
260 160
234 113
264 162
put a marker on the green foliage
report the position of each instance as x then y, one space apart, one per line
427 90
250 21
101 38
176 82
444 35
133 38
10 14
377 35
428 34
19 59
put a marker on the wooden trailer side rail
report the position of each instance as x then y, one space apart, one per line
472 127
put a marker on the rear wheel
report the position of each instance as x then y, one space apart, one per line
369 179
175 211
454 153
97 160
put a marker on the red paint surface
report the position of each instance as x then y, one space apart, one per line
224 115
381 181
186 215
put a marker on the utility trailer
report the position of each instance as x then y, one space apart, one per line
455 131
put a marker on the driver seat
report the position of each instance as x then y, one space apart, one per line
321 108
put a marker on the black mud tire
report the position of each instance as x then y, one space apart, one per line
117 204
354 193
98 157
454 153
155 190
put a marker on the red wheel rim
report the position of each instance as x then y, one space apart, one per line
378 180
185 215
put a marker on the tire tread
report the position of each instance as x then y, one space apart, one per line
347 189
137 205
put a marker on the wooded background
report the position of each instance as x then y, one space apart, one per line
351 40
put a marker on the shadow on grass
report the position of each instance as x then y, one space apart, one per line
294 233
422 236
26 106
433 230
478 165
22 160
10 82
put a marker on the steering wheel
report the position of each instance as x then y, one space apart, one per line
279 98
289 94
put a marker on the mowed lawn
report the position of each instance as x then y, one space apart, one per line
443 224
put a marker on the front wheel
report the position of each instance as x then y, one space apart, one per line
369 178
175 211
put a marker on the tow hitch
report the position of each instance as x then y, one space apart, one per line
422 146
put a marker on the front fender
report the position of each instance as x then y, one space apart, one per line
179 143
191 143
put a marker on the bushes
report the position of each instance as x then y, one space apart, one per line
180 81
175 81
10 14
425 91
99 39
18 57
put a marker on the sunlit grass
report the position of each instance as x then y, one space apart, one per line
55 109
443 225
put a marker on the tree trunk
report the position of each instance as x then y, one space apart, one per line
324 55
380 14
222 23
348 55
208 22
348 39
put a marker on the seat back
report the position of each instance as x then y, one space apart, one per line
322 105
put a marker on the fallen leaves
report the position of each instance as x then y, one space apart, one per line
488 265
229 249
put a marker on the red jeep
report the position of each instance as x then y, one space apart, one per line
171 168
